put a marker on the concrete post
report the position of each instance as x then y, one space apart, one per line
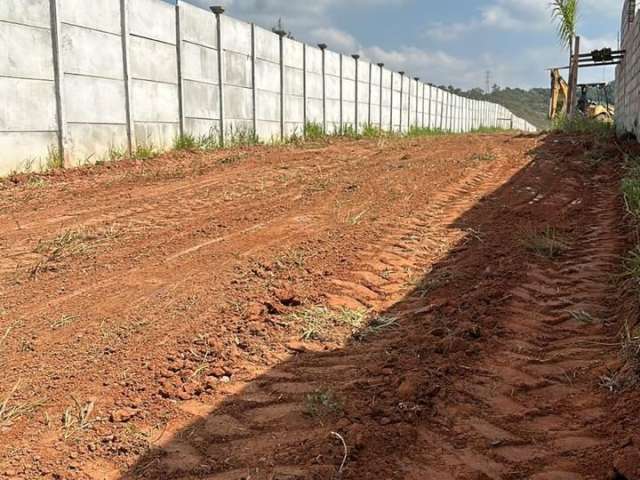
381 65
124 28
323 49
179 62
429 108
370 88
217 11
304 89
409 106
391 106
356 57
417 79
401 97
341 98
254 90
58 72
281 34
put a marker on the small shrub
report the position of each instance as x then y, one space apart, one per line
186 142
145 151
546 243
321 403
313 131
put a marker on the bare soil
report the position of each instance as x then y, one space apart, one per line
437 308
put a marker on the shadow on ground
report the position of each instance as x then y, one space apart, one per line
389 383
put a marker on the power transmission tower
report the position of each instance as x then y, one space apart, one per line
487 84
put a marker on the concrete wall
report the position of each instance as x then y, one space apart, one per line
86 81
628 75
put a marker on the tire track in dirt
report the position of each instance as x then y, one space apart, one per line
530 409
260 431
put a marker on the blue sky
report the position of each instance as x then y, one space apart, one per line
443 42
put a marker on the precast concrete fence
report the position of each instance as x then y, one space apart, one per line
83 81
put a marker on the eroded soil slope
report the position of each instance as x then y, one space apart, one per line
440 308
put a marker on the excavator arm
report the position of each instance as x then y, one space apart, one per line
559 90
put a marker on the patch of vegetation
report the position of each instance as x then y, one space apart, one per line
317 322
67 244
11 411
582 316
631 187
55 160
378 324
186 142
76 418
583 125
483 157
313 131
546 243
145 151
425 132
322 403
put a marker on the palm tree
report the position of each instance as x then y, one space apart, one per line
565 13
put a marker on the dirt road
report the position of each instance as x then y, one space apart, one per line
438 308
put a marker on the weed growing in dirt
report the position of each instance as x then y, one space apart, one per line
631 187
631 266
433 282
371 131
313 131
11 411
76 418
425 132
322 403
67 244
317 322
63 321
376 325
483 157
583 317
241 137
546 243
54 159
583 125
145 151
186 142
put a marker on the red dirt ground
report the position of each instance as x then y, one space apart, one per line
152 315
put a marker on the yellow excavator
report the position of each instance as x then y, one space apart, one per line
560 98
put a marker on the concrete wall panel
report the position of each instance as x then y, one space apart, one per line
314 110
153 19
201 100
267 76
201 128
154 102
236 35
267 45
314 60
199 63
268 106
98 14
292 53
27 105
237 69
28 12
91 52
314 85
94 100
91 143
163 68
25 151
238 103
159 135
198 26
293 81
332 63
26 51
